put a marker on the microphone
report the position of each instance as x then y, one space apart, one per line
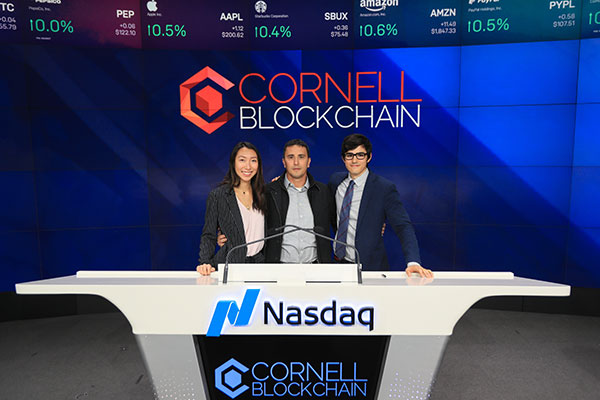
294 228
315 231
240 246
356 253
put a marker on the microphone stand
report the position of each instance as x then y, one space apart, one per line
295 228
239 246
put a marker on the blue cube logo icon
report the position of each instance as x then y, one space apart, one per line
233 378
228 378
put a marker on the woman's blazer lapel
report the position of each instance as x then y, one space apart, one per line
234 209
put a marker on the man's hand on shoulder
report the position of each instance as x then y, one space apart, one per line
221 239
416 268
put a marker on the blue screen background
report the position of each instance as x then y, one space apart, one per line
100 171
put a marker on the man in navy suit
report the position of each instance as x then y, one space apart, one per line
364 202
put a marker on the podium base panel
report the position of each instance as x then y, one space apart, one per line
173 364
410 366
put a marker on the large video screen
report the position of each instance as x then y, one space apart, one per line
117 118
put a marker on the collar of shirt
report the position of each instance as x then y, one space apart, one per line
287 184
361 180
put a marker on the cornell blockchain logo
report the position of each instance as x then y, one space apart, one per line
208 100
228 378
367 100
288 379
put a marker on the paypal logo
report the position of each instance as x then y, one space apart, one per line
238 316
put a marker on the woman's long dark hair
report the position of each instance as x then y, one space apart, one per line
257 182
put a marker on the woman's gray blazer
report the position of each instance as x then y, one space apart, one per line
222 211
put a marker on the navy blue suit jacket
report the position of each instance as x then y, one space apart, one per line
380 203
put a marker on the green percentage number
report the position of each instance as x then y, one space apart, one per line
54 25
490 25
169 30
595 18
369 30
277 31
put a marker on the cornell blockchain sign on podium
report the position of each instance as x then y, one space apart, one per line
329 379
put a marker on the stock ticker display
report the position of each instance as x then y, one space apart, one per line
310 24
117 118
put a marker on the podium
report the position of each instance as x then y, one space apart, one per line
202 338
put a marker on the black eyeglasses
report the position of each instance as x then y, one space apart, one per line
359 156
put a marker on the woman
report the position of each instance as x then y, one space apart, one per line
237 208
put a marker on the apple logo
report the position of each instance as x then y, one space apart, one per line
152 6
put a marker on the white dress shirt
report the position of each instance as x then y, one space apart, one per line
298 247
359 187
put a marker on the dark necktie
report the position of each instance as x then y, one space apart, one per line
340 249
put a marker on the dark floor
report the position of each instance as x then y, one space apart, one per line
516 355
492 355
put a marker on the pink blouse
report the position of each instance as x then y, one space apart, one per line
254 227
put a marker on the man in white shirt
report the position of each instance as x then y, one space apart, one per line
364 202
296 198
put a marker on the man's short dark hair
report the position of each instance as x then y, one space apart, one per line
296 142
353 141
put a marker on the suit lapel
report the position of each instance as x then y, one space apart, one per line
339 179
235 213
364 201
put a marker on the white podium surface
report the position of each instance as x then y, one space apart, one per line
166 308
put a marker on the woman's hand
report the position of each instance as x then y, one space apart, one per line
205 269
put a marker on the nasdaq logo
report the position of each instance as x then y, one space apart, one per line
228 378
237 316
330 315
333 314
